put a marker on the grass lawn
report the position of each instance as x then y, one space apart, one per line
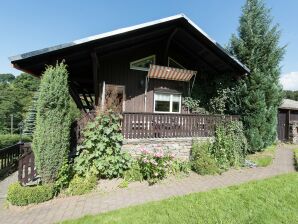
273 200
263 158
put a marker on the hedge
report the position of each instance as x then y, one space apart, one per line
19 195
8 140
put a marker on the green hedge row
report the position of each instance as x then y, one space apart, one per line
8 140
19 195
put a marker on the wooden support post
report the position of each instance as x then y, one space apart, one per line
95 68
76 97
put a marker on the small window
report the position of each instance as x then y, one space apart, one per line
167 103
174 64
143 64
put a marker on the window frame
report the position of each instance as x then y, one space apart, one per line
171 59
171 103
139 60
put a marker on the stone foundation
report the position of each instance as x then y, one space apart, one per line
180 147
293 132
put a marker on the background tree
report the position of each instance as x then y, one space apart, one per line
257 46
15 98
293 95
52 133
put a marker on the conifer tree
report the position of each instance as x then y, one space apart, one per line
257 46
29 124
52 133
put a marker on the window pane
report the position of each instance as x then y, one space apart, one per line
175 106
176 98
162 97
162 106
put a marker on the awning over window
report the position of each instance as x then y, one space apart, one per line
162 72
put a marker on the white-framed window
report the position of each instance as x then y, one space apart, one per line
174 64
167 102
143 64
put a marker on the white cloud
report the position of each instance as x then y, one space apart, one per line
289 81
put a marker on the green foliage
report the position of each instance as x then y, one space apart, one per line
75 112
263 158
155 166
296 158
180 167
52 133
257 46
202 162
193 105
217 104
8 140
30 122
292 95
81 185
64 177
230 145
15 96
134 173
100 153
19 195
6 78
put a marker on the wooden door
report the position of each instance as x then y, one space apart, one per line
282 126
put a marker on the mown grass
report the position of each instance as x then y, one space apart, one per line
271 201
264 158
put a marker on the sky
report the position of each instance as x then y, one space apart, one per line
31 25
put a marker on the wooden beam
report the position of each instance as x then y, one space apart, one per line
166 51
95 69
76 97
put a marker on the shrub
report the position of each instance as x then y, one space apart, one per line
19 195
134 173
81 185
65 175
100 152
202 162
155 166
52 130
296 158
230 145
8 140
179 167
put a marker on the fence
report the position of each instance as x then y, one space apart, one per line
153 125
8 159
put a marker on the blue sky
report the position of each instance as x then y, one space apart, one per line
32 24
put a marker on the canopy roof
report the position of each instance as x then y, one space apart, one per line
289 104
187 34
168 73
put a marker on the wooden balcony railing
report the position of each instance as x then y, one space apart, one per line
159 125
8 159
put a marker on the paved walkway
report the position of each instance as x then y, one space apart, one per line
75 207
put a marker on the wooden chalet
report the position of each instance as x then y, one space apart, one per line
152 66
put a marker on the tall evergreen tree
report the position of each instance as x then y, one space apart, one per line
29 124
257 46
52 131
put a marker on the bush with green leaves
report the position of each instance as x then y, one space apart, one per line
8 140
52 130
19 195
81 185
64 177
193 105
201 160
134 173
230 145
155 165
100 153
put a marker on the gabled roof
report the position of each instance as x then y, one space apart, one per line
289 104
21 57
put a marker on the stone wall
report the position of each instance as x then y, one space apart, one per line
180 147
293 132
